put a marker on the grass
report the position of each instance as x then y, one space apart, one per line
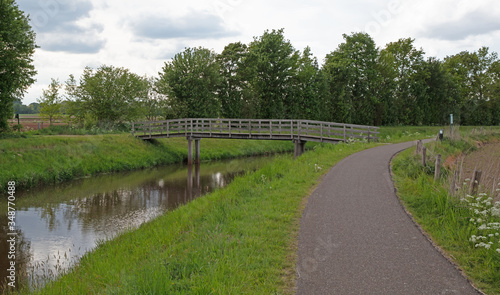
466 227
37 160
240 239
237 240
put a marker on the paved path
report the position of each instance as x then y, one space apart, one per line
355 237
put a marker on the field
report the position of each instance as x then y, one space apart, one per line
34 122
487 160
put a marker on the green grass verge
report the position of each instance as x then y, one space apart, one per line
39 160
452 221
238 240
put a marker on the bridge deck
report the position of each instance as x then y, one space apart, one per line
301 130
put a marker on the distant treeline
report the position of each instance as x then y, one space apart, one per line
357 83
32 108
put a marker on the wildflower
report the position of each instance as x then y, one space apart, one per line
472 220
498 250
483 227
467 179
487 246
491 235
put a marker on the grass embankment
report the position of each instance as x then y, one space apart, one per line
238 240
39 160
31 160
466 227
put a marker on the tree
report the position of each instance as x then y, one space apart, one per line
234 85
401 64
272 65
109 95
191 81
17 46
154 104
50 102
353 80
474 74
309 89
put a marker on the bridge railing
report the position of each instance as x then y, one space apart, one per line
254 129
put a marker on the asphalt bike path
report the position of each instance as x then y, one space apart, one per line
356 238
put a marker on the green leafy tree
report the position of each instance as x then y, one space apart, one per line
475 76
234 90
309 89
107 95
191 81
155 104
17 46
272 65
51 102
493 92
401 68
353 80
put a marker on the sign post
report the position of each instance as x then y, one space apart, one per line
451 125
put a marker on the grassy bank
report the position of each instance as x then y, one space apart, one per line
32 160
39 160
238 240
464 226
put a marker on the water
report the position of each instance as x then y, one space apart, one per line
56 226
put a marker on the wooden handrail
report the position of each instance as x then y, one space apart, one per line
306 130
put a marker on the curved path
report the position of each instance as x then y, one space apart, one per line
355 237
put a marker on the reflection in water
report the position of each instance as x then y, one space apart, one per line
57 225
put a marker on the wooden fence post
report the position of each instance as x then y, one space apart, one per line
476 179
437 171
424 156
419 147
453 187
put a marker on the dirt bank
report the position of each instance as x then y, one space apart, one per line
486 159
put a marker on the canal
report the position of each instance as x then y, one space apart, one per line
57 225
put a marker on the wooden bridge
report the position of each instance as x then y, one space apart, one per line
299 131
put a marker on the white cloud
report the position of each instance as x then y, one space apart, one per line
473 23
194 25
141 36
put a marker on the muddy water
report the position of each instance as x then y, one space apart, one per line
57 225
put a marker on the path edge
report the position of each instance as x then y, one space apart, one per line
419 227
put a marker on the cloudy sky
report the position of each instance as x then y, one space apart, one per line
143 35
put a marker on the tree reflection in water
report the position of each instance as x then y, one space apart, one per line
57 225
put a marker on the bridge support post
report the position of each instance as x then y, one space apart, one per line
196 150
300 147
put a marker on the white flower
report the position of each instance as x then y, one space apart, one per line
472 220
498 250
487 246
